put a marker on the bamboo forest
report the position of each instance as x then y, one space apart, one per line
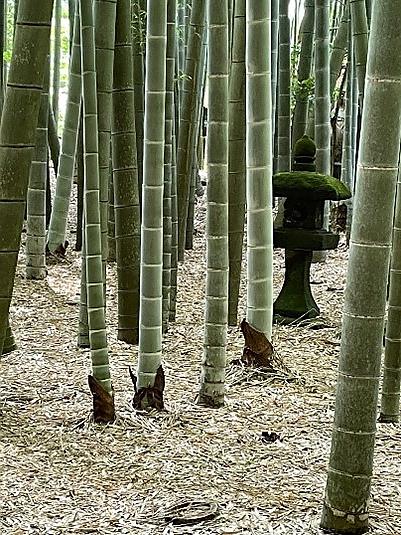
200 267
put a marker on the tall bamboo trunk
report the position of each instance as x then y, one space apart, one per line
139 88
304 72
339 48
360 33
168 163
58 222
150 382
105 20
284 97
322 87
36 198
100 380
259 168
125 180
390 398
56 58
346 506
17 136
274 60
236 162
184 153
214 356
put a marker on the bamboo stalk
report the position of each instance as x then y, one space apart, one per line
125 178
150 312
236 163
259 168
92 224
346 505
211 391
17 136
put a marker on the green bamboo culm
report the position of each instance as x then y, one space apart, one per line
36 198
187 106
339 48
174 223
194 140
284 97
346 156
360 33
349 141
304 72
125 179
99 381
56 58
322 87
139 82
259 169
390 397
346 505
17 136
168 162
3 47
72 6
274 59
111 224
56 242
105 20
150 312
54 143
212 378
236 162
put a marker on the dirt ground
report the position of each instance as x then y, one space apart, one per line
61 474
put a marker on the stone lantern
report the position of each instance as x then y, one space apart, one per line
302 229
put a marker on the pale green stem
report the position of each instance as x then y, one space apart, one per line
93 241
150 312
346 506
259 168
61 202
214 354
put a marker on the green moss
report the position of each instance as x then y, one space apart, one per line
305 146
309 185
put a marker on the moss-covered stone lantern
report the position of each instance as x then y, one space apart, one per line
302 230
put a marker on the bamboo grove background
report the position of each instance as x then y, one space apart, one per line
129 103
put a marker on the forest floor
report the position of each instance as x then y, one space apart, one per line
61 474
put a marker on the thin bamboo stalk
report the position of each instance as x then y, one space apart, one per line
304 72
360 32
322 87
168 162
105 18
58 222
284 97
236 163
390 398
36 198
56 59
100 380
184 153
